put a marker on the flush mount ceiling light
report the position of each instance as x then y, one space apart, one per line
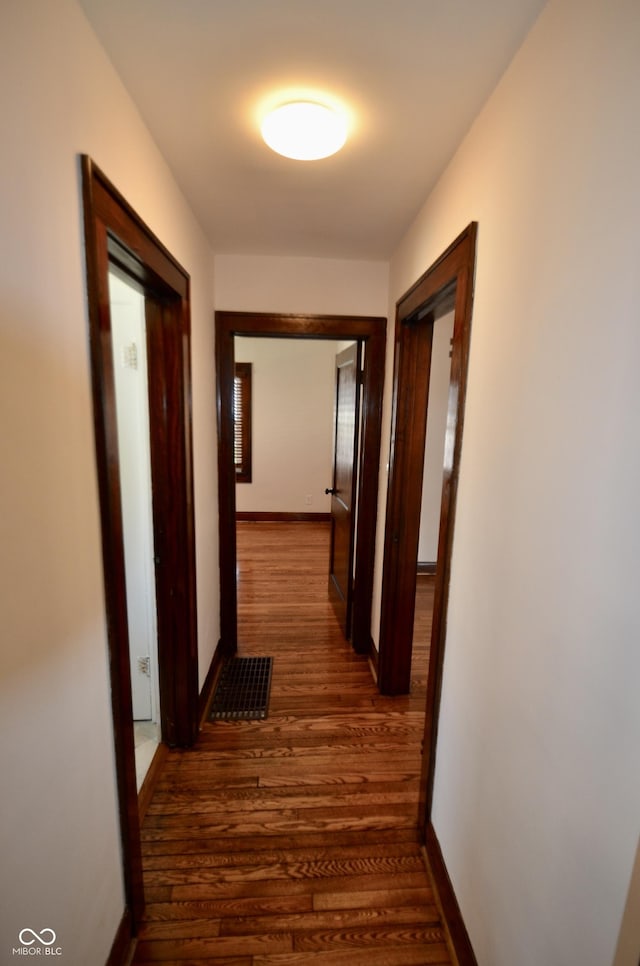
305 130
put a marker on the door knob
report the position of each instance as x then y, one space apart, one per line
331 490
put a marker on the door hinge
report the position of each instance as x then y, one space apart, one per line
144 665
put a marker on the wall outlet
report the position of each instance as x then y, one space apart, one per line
308 501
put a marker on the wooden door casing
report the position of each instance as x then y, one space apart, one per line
115 235
447 284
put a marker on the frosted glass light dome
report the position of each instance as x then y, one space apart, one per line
305 130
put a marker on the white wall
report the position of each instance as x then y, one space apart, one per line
128 332
263 283
293 390
60 840
434 443
537 793
268 283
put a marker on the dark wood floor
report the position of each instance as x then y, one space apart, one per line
293 840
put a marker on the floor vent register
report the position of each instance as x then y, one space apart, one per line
242 693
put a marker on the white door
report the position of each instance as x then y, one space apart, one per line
132 406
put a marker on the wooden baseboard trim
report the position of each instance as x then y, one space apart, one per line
428 567
151 779
450 909
373 660
123 944
251 516
211 680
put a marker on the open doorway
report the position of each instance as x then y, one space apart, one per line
430 503
447 286
371 333
284 436
297 425
129 346
117 241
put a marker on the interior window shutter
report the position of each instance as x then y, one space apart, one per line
237 422
242 422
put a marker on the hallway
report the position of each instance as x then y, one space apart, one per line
293 840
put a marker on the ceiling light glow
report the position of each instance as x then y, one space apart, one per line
305 130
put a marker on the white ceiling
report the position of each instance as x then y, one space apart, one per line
414 73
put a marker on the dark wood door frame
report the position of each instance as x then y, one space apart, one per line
116 236
371 332
341 592
447 284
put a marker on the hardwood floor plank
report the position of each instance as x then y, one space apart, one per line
373 898
317 869
199 890
205 928
158 951
284 823
216 858
289 780
321 940
219 961
294 839
230 907
209 844
343 919
361 794
351 749
417 955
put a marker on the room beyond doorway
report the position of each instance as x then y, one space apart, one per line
297 425
370 331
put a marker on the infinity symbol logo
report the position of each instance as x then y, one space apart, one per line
40 938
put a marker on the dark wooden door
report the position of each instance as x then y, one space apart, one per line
344 484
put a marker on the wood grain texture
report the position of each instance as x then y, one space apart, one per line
273 516
344 482
123 944
448 902
295 839
150 779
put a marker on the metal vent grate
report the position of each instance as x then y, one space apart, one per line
243 690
